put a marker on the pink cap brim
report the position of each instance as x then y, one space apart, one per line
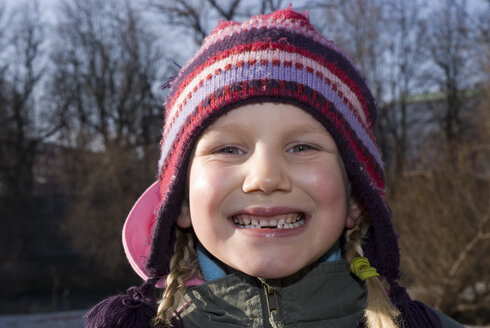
137 233
137 230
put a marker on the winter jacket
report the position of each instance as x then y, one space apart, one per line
324 295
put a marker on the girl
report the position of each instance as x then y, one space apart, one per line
269 210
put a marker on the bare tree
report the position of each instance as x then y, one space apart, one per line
21 114
358 27
106 67
105 89
403 79
22 120
3 64
195 16
480 35
448 46
271 5
200 16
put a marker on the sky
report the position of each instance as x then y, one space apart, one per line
49 6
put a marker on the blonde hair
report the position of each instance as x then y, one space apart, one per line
183 265
379 311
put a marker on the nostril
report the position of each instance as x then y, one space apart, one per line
266 182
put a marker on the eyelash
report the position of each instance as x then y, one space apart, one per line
231 150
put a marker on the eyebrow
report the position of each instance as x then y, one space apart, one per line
299 129
227 128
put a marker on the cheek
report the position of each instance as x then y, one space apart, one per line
199 179
207 189
324 183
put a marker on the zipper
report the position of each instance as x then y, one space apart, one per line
271 300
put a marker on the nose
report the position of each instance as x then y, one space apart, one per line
266 172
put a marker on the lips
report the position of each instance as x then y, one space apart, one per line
281 221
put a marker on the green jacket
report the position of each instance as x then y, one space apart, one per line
326 295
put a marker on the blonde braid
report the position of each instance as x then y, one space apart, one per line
379 311
183 265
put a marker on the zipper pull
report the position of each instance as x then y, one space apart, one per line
270 297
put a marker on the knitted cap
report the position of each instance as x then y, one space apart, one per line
278 57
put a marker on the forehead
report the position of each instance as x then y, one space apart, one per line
266 116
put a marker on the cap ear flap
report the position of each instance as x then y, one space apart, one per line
184 219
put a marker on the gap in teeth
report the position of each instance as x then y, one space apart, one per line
288 221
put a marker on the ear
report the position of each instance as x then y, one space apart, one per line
353 212
184 219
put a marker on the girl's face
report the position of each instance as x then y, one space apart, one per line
267 190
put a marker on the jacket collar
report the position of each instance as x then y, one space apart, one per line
213 269
323 293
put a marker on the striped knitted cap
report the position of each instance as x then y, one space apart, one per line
278 57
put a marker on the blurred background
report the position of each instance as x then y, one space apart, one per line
81 114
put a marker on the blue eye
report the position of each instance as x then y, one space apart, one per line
300 148
230 150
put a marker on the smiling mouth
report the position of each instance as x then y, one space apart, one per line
285 221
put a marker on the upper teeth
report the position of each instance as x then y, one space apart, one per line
286 221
